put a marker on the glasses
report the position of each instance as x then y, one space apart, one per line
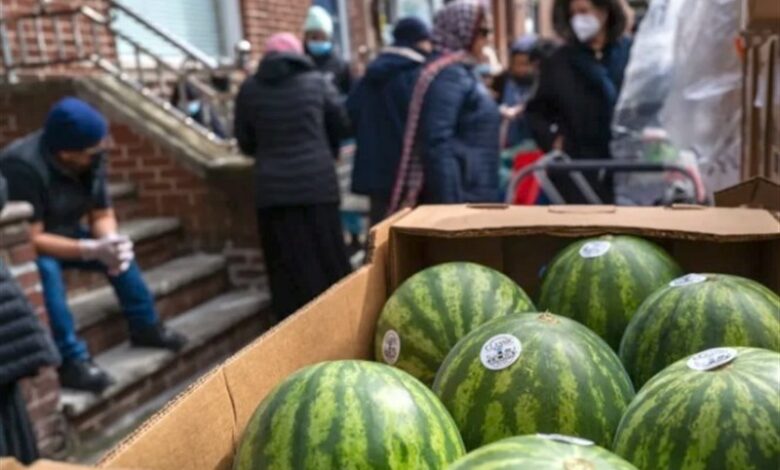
485 32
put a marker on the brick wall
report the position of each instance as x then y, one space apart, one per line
25 34
42 391
216 209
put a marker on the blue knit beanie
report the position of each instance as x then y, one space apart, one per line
409 31
73 125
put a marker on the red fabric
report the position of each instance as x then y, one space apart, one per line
527 192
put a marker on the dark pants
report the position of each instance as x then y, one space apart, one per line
304 253
17 438
379 207
134 297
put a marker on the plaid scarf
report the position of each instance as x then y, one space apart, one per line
455 29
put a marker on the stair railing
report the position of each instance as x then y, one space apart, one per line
86 38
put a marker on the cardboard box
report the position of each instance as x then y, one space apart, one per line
761 15
201 428
759 193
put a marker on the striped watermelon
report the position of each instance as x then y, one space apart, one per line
349 414
541 452
432 310
716 410
529 373
697 312
600 282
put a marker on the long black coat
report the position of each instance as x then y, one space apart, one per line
569 104
290 119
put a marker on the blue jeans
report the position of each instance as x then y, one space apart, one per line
134 297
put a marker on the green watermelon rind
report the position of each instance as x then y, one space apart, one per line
679 320
566 381
532 452
721 419
349 414
432 310
603 292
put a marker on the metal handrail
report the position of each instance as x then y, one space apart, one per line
74 50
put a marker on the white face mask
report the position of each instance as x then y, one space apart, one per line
585 26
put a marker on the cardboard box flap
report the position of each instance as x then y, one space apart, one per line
697 222
757 192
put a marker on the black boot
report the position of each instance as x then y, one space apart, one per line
84 375
157 336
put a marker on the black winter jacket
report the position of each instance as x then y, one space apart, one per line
25 346
290 119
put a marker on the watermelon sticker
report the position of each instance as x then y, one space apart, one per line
595 249
500 352
577 441
712 359
391 347
687 280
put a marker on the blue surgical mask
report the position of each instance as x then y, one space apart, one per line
193 107
319 48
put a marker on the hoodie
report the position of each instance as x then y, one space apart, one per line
378 108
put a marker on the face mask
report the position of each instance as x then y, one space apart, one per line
483 70
319 48
585 26
193 108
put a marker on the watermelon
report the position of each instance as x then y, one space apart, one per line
697 312
541 452
600 282
716 410
349 414
432 310
533 373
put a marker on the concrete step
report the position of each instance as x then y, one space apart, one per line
216 329
125 200
177 286
157 240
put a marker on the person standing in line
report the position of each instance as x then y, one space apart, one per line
61 171
378 107
451 143
513 88
290 120
319 46
25 347
579 85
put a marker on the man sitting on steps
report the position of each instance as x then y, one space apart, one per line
61 171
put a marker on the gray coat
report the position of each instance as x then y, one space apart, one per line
290 119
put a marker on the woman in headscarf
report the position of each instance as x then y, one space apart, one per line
451 144
289 118
579 86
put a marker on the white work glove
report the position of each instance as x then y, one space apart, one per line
115 251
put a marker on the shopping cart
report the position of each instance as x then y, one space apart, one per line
559 163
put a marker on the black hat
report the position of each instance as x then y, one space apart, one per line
409 31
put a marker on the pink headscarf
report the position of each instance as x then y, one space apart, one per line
283 42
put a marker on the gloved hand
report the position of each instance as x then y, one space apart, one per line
114 251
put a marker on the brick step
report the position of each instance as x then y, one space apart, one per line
177 285
216 329
124 197
157 240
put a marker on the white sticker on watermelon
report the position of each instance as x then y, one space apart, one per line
500 352
688 279
391 347
577 441
595 249
712 359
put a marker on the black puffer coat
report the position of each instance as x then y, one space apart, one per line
290 119
25 346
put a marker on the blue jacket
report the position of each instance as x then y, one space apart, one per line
459 134
378 107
